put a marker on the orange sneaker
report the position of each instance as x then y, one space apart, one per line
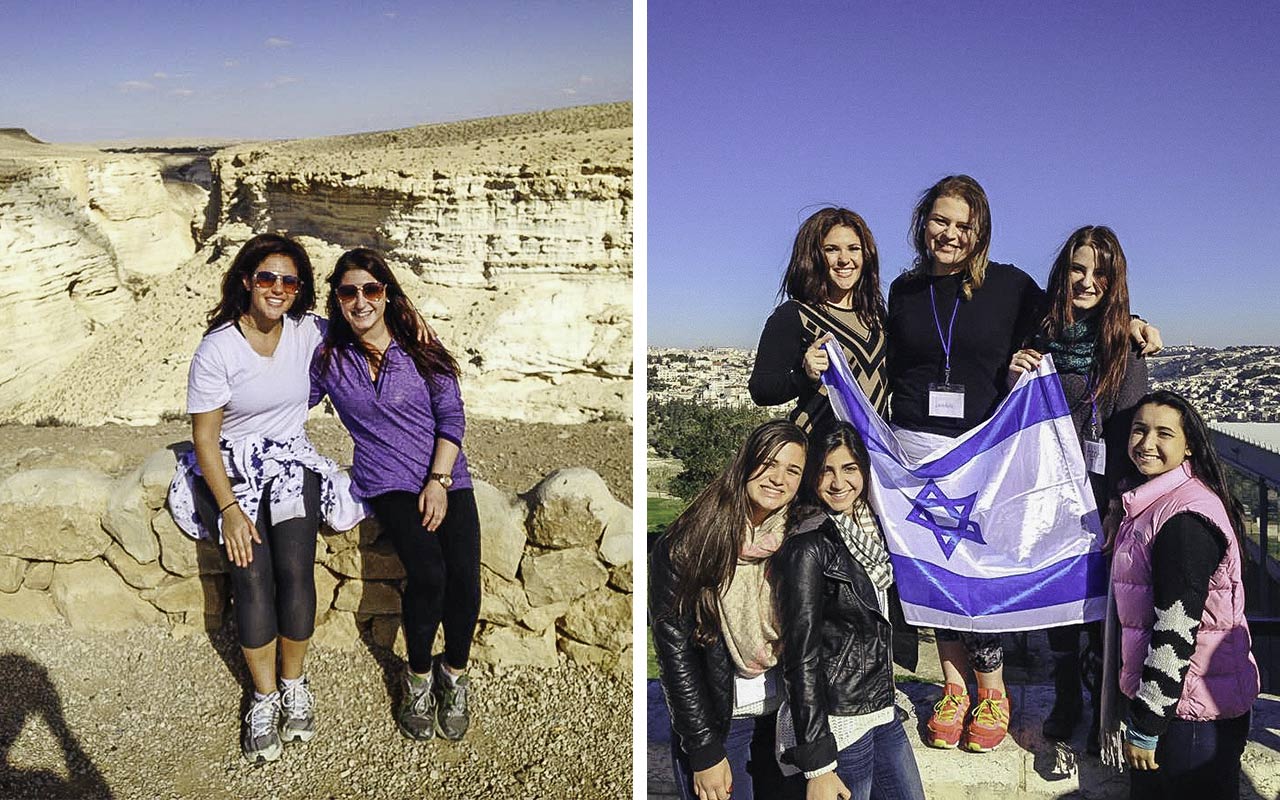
990 721
947 722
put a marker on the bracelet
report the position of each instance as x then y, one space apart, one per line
228 505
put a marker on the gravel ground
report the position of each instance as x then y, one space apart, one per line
145 715
148 716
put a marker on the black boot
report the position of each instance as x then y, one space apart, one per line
1067 700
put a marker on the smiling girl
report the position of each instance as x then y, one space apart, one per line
396 390
715 629
256 481
1086 329
833 585
832 286
1185 660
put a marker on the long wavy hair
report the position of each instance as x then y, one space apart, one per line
1204 460
236 296
970 191
1111 351
806 276
842 434
402 320
707 538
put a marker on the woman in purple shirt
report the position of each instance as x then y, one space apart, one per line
396 390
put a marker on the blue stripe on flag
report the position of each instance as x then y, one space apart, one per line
1039 400
1070 580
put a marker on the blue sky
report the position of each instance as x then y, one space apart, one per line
1158 119
77 71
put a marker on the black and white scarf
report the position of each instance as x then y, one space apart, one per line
861 533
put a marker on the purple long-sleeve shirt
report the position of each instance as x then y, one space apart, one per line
394 421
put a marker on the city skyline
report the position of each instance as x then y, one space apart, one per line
1157 124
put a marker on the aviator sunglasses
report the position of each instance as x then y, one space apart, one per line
265 279
371 290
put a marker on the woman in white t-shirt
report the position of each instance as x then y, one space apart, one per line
256 483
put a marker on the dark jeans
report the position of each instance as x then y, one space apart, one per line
881 766
439 564
749 747
276 594
1198 761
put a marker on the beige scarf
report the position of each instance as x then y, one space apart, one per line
747 615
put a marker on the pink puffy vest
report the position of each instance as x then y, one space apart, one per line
1223 679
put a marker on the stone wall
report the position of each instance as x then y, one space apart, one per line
96 552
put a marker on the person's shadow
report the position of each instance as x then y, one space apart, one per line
28 692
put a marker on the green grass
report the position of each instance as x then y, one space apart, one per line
661 511
652 670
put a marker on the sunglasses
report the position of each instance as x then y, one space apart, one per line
264 279
371 290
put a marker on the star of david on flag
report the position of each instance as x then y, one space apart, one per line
996 530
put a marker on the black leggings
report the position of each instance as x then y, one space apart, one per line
276 594
442 564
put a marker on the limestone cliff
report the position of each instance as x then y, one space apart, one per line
512 234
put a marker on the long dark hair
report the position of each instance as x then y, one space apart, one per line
235 295
841 435
708 536
1204 460
402 320
806 276
1111 351
970 191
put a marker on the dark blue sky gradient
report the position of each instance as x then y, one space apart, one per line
1163 123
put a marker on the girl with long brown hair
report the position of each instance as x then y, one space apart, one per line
832 291
715 629
396 390
1086 330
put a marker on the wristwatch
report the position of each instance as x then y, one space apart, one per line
443 478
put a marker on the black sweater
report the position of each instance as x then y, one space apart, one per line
989 328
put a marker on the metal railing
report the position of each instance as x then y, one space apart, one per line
1262 578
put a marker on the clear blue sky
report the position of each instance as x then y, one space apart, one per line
93 71
1161 120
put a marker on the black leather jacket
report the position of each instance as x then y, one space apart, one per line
837 644
696 680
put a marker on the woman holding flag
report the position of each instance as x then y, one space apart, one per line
715 628
1085 328
832 286
954 322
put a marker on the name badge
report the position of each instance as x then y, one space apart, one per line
753 690
1095 456
946 400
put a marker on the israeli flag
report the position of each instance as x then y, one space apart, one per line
996 530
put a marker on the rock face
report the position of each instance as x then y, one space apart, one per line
538 599
512 235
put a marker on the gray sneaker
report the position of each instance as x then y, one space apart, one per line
298 709
416 714
260 741
452 717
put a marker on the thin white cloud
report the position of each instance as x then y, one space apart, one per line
390 14
280 80
230 62
159 75
134 86
569 90
276 41
585 79
182 92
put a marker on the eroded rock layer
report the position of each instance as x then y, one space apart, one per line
512 234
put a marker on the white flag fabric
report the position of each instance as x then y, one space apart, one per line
996 530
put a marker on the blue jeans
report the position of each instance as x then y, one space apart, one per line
1198 761
881 765
749 747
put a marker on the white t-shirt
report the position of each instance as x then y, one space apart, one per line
260 396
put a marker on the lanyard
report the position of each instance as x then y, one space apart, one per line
1095 430
946 340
